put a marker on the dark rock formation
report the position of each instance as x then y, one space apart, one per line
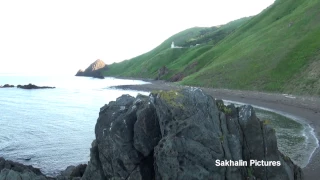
180 135
94 70
177 77
80 72
32 86
72 172
189 69
117 151
98 75
10 170
161 72
7 86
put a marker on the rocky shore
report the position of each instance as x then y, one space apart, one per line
10 170
304 107
180 135
174 135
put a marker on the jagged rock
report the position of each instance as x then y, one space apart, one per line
94 70
117 140
189 69
180 135
32 86
72 172
10 170
177 77
67 171
78 171
7 86
162 71
94 168
80 72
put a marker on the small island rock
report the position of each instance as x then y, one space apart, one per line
7 86
32 86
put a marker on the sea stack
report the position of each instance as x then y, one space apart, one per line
94 70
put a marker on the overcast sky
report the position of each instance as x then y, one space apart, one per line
45 37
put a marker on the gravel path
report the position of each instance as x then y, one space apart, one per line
307 108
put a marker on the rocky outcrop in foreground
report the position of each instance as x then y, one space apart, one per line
175 135
180 135
32 86
10 170
94 70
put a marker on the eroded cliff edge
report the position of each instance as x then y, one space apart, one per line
180 135
94 70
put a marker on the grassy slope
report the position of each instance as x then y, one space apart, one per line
277 50
268 53
147 65
133 66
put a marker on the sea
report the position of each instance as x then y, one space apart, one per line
53 128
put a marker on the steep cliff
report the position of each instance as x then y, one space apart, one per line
94 70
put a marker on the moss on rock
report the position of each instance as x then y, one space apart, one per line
171 98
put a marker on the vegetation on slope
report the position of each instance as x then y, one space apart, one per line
147 65
277 50
269 53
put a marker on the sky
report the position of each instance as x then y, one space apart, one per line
63 36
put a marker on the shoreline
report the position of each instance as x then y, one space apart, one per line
295 118
305 108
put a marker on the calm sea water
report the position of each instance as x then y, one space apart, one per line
53 128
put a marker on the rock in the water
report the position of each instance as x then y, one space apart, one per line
98 75
10 170
32 86
7 86
180 135
94 70
80 73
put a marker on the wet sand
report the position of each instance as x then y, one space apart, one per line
303 107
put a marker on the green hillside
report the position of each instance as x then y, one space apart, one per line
277 50
147 65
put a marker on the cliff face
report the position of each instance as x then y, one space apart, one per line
94 70
180 135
